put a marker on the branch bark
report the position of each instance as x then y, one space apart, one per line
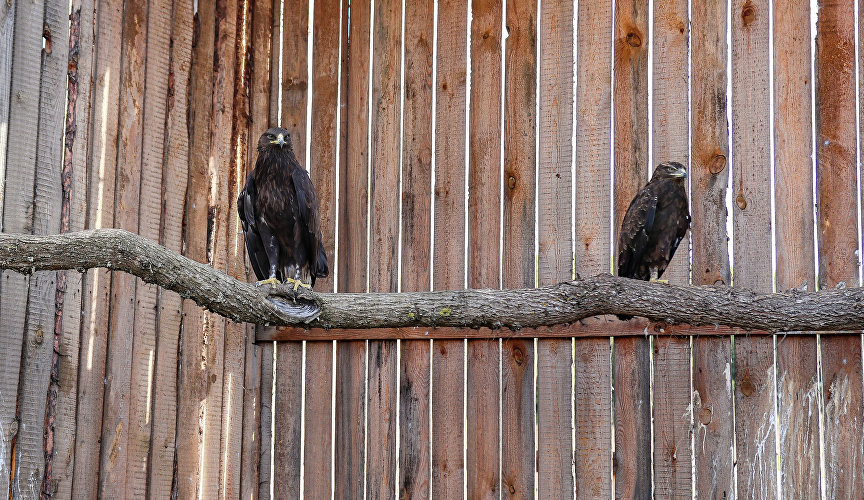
840 309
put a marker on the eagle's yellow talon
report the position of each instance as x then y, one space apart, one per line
297 283
269 281
665 282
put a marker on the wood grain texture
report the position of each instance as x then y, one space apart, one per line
415 370
295 77
354 191
100 214
555 153
265 457
7 21
350 455
672 418
593 384
384 238
174 178
712 394
74 181
287 414
755 395
713 422
669 93
519 259
838 241
193 377
631 361
39 333
709 175
317 458
143 362
484 235
18 203
448 356
117 426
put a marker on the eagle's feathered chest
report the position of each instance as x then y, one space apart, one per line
277 198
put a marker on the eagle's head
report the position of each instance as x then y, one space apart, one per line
275 138
670 170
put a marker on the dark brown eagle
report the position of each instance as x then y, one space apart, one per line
278 211
654 225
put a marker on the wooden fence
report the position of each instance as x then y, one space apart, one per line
452 144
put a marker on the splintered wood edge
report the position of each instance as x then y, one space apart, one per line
595 326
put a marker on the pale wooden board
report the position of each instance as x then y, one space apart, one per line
7 21
22 123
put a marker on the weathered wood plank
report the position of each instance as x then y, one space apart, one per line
669 93
593 385
29 454
287 415
61 462
381 397
484 219
838 242
100 214
174 178
117 426
143 362
265 457
318 417
712 393
797 376
448 356
7 21
554 357
631 360
755 394
672 416
22 129
520 157
350 454
295 72
415 375
193 382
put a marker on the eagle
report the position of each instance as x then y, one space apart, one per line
278 212
654 225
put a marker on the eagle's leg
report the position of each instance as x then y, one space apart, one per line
297 281
272 249
654 276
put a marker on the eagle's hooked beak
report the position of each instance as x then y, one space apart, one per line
681 172
280 139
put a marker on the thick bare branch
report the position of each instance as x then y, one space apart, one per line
828 310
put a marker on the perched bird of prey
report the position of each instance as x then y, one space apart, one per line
654 225
278 211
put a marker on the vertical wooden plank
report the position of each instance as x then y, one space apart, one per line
39 333
484 218
255 460
295 26
631 360
838 242
100 214
7 21
384 238
234 392
157 46
555 357
116 424
414 421
670 119
22 123
352 261
672 412
174 178
448 372
265 473
712 384
324 165
592 386
74 213
751 215
289 371
194 373
520 160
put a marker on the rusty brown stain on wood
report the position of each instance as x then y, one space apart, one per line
836 193
520 155
415 369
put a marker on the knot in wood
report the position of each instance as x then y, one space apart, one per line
705 416
511 182
717 163
634 40
741 202
746 386
518 356
748 13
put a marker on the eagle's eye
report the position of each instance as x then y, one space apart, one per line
271 136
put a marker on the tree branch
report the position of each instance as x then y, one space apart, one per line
839 309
